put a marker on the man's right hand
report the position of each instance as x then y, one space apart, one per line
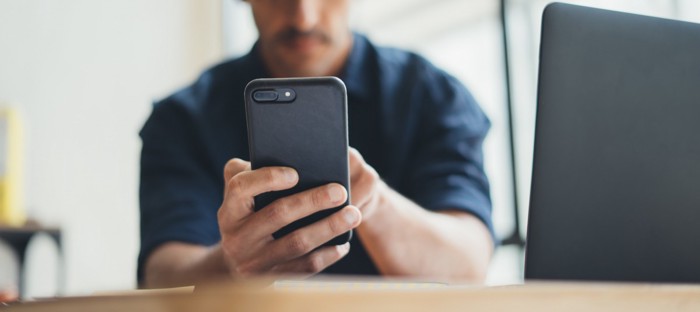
246 236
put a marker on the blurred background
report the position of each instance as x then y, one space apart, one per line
78 77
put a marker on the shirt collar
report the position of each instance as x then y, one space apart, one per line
356 73
258 67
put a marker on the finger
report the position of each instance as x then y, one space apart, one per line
314 262
306 239
244 186
363 179
235 166
286 210
363 186
356 162
247 184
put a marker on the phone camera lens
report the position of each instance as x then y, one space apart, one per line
265 96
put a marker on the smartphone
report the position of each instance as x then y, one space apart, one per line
300 123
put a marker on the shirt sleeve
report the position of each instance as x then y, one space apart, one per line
447 165
178 198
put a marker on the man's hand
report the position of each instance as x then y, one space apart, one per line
405 239
366 186
246 236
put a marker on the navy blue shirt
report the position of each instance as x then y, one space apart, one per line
416 125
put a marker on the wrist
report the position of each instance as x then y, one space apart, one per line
217 259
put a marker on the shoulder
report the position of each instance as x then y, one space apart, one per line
414 83
208 87
207 96
405 61
208 93
412 71
406 71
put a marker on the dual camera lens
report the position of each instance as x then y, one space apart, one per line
273 96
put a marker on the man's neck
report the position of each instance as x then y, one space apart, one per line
334 67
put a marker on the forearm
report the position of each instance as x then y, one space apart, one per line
181 264
404 239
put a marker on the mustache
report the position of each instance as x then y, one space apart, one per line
292 33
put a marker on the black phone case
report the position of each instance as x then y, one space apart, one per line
308 134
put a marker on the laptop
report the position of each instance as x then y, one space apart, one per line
616 174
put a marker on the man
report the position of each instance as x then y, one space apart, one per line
420 199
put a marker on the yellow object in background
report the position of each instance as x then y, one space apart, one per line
11 210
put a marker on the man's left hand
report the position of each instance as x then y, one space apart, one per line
366 187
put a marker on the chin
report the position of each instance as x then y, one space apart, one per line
307 72
310 67
305 62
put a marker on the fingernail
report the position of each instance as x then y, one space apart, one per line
335 193
344 247
290 175
350 216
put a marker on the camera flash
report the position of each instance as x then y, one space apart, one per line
287 94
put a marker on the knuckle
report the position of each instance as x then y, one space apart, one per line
239 164
319 198
278 212
372 173
235 186
221 217
369 172
298 244
228 168
315 263
271 175
336 225
234 166
369 176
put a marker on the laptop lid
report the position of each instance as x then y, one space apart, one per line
616 174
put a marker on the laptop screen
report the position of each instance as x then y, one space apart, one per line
616 175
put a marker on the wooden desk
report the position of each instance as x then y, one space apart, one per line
532 297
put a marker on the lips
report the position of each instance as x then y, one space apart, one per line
303 44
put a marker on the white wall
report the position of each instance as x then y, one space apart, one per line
84 74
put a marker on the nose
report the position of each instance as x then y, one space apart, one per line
305 14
